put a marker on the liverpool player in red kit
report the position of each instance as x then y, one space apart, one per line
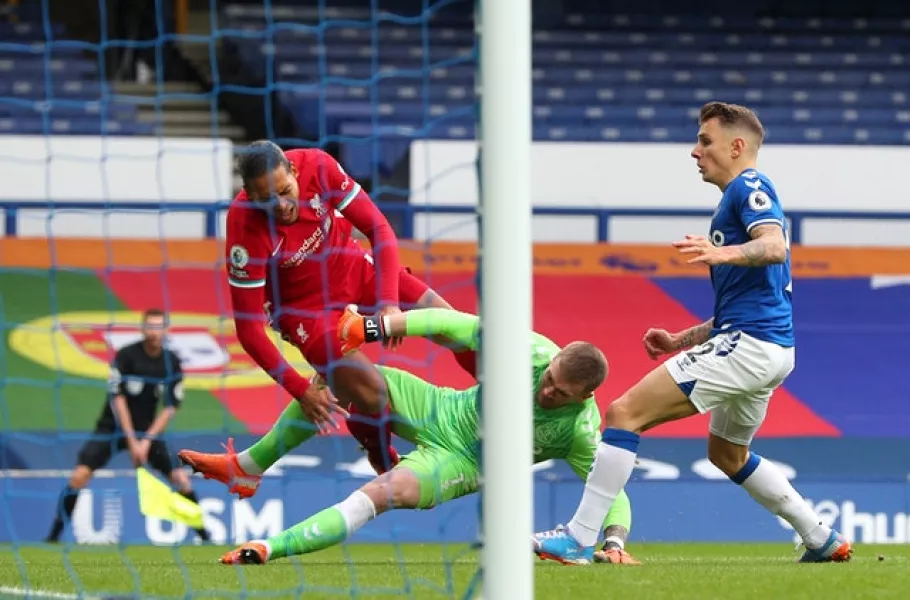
293 262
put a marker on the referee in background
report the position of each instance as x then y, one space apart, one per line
142 374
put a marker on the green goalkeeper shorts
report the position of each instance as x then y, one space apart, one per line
443 475
442 423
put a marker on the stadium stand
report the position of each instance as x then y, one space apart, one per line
53 81
616 74
607 76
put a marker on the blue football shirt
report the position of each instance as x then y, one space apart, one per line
754 300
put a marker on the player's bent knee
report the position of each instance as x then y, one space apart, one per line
356 381
399 488
619 413
629 412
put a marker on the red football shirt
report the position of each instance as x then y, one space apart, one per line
306 264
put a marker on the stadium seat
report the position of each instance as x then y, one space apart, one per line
55 88
604 75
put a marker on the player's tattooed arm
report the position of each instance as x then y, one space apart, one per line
694 336
767 247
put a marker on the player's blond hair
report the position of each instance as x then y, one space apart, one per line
584 363
733 115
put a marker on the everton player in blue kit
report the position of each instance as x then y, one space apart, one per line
728 366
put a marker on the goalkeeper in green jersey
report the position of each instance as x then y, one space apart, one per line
443 424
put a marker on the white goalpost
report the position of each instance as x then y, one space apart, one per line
505 244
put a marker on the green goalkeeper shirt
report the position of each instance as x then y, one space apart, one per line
569 432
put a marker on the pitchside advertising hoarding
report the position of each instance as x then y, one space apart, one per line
676 495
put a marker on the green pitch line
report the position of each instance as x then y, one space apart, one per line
430 572
33 397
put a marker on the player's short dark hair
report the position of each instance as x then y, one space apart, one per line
153 312
733 115
583 362
260 158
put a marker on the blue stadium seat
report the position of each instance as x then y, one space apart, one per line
35 67
54 87
26 32
606 76
65 109
80 126
60 89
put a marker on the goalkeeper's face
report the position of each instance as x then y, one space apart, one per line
279 192
557 389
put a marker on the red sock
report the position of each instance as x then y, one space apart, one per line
467 360
375 434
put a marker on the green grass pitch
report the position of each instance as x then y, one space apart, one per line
429 572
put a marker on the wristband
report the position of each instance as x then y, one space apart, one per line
372 329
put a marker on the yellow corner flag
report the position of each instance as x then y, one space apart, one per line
156 499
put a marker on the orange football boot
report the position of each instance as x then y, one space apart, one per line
615 556
223 468
251 553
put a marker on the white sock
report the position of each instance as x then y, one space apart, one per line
769 487
609 474
268 549
247 463
357 509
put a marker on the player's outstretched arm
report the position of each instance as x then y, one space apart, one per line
250 327
458 327
440 324
445 326
694 336
767 247
660 341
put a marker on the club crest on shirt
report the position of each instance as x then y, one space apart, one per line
546 433
317 206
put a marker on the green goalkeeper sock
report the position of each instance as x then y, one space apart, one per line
291 430
620 512
324 529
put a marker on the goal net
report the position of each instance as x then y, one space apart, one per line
119 129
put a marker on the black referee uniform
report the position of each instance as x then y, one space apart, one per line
142 380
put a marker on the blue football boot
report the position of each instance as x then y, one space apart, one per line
559 545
